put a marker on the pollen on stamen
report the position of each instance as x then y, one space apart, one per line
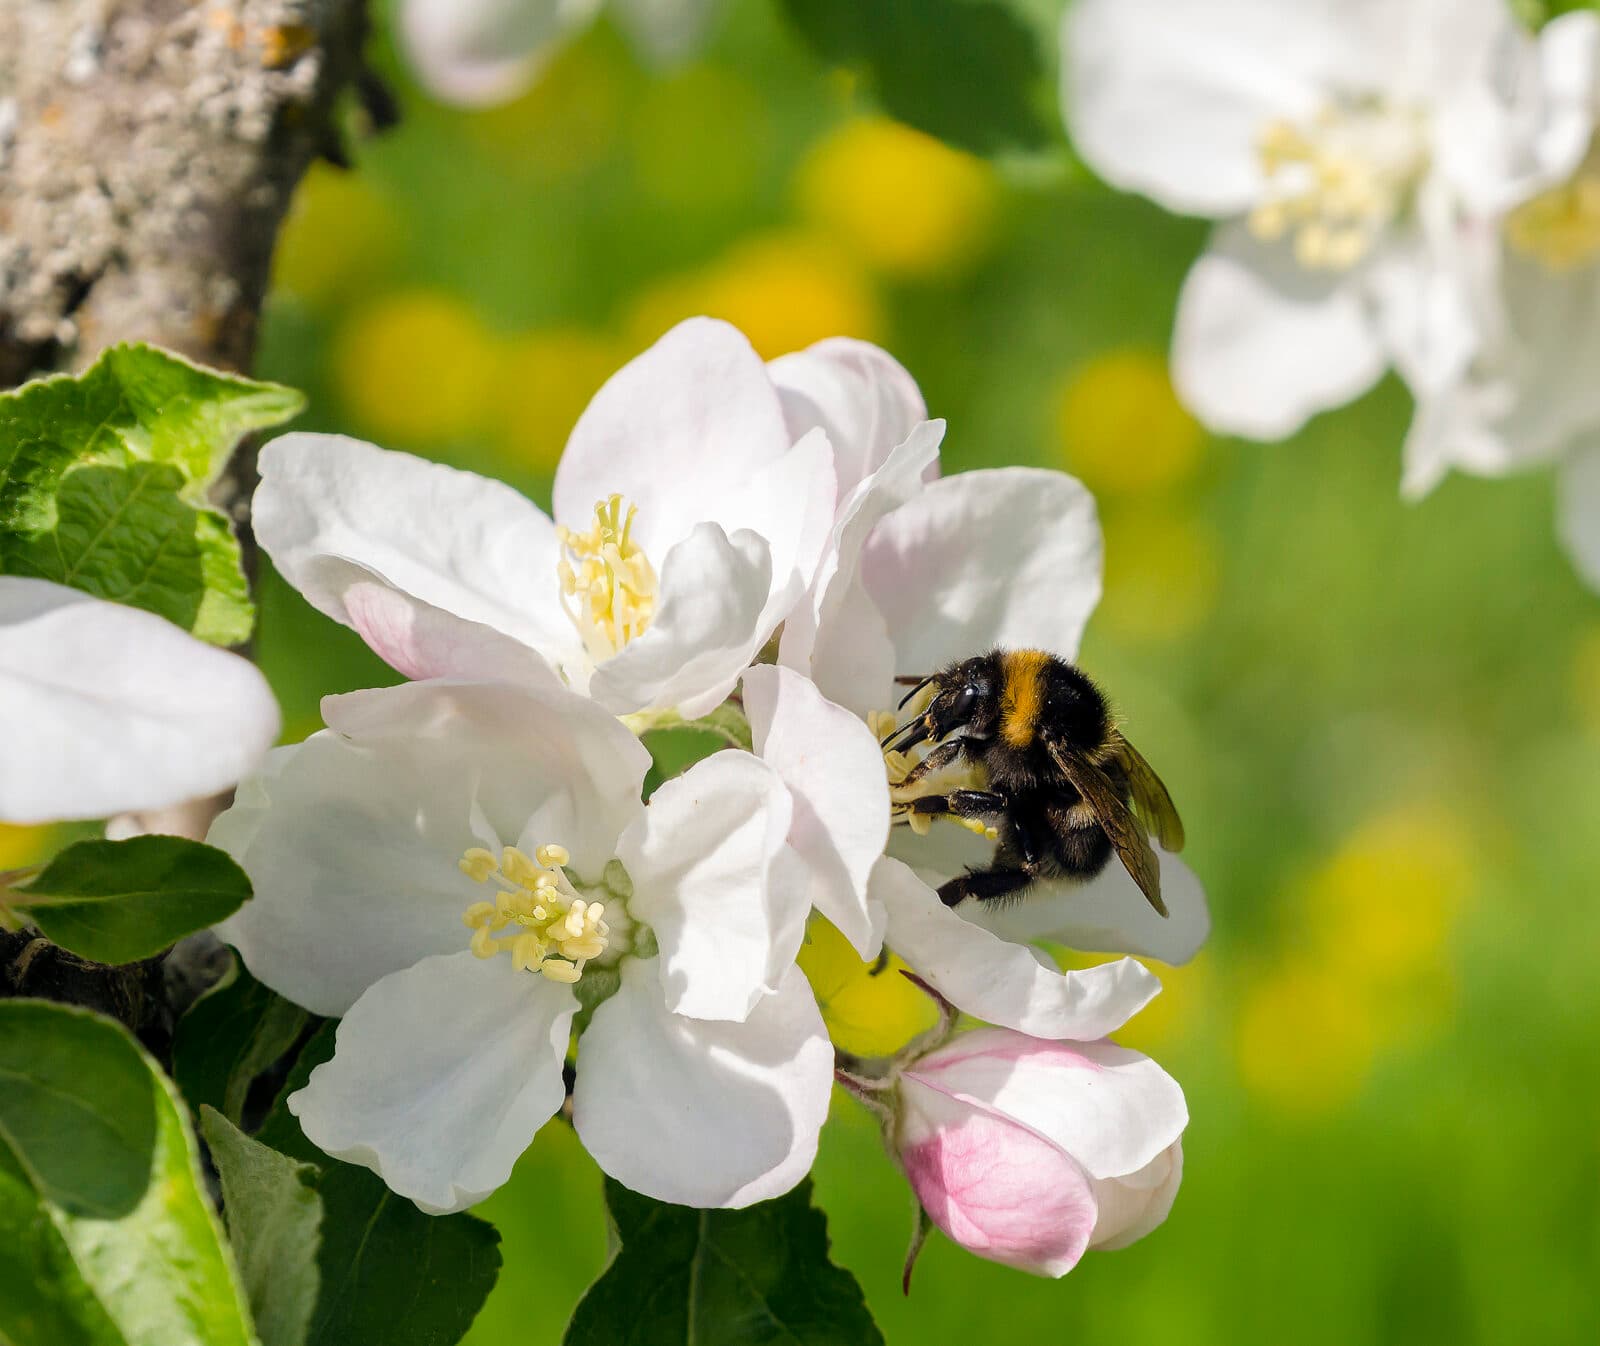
536 915
609 577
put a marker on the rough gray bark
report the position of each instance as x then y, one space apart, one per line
148 151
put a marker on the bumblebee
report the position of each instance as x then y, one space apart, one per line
1063 789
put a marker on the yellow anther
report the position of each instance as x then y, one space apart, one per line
1334 184
610 577
1560 228
477 864
542 908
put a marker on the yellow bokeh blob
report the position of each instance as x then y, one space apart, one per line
1163 571
546 380
1383 907
783 292
1305 1039
340 232
416 366
1121 427
866 1015
20 846
570 116
700 139
1585 681
905 203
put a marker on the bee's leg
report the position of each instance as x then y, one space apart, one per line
984 884
962 803
941 756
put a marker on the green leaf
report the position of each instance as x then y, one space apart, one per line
968 71
106 1235
274 1223
388 1272
103 481
230 1035
721 1278
120 901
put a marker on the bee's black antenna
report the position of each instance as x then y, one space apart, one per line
915 690
908 734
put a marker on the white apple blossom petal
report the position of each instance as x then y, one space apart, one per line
833 769
1169 97
1132 1205
836 635
691 418
960 568
1578 511
1108 914
707 628
666 30
441 1075
1261 343
353 850
703 1112
994 1187
859 394
1112 1109
106 708
1001 982
479 52
458 542
704 859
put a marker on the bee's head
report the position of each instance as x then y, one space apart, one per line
964 700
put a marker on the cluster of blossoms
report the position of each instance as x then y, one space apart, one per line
1411 184
466 868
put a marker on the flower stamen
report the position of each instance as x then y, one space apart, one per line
608 586
550 928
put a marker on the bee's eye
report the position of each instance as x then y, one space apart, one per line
962 705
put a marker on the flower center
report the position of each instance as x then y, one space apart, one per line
1561 227
1335 183
608 585
898 765
548 926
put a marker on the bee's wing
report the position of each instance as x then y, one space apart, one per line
1150 798
1117 820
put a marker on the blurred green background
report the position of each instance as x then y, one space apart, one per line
1381 721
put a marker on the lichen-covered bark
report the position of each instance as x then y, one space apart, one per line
148 150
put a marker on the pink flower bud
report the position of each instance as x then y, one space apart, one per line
1028 1152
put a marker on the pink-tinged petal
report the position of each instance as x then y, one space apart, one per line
711 878
1114 1110
994 1187
441 1075
105 708
481 52
1004 557
708 627
836 636
692 416
703 1112
1131 1206
333 512
1001 982
859 394
1261 343
833 769
1108 914
352 841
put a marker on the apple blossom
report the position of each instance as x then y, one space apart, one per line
1006 557
693 509
487 51
1341 145
459 869
1029 1152
106 708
